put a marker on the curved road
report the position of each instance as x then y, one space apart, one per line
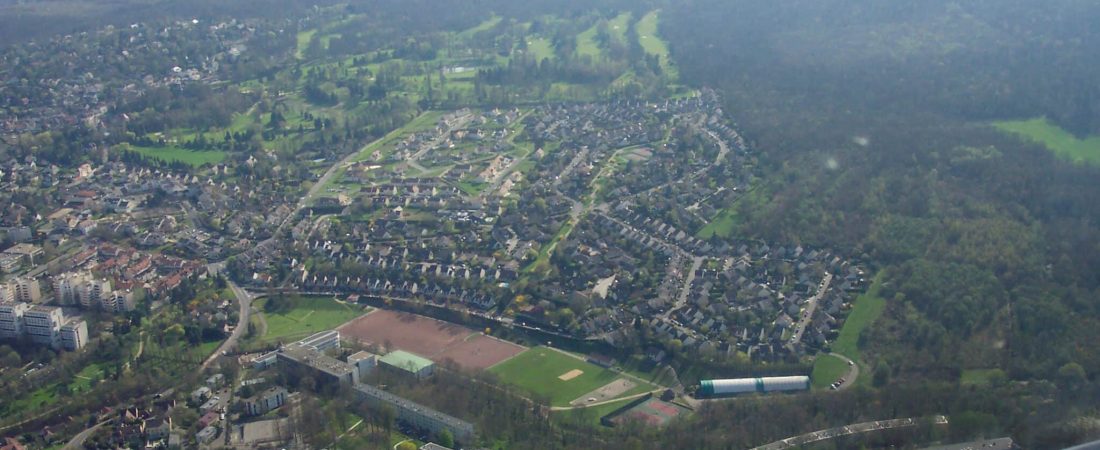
77 442
244 299
853 371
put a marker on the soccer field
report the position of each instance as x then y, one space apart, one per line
552 374
309 315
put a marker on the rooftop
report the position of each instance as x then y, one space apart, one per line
406 361
311 357
450 421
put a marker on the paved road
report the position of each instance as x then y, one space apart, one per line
853 372
41 268
685 291
821 435
244 299
808 314
77 442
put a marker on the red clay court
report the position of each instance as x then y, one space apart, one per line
433 339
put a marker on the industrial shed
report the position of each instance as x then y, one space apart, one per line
714 388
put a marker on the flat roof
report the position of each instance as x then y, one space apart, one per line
409 405
405 360
316 360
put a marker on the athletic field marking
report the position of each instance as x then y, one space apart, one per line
571 375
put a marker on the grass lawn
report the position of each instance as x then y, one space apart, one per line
827 369
540 48
587 45
203 350
867 308
594 413
537 370
304 38
543 259
483 26
177 154
472 187
981 377
722 225
652 43
617 27
84 379
1059 141
310 315
423 122
37 400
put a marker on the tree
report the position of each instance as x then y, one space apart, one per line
1072 374
446 439
882 374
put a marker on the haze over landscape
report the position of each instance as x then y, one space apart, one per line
549 224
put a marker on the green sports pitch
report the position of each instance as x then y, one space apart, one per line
551 374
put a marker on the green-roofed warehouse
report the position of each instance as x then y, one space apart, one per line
407 362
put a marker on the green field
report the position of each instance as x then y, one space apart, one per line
176 154
87 377
483 26
304 38
981 377
537 370
309 315
617 27
1059 141
651 42
540 49
867 308
722 225
587 45
827 369
423 122
594 413
203 350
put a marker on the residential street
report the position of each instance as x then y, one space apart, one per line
808 313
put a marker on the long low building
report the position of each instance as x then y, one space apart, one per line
415 414
304 358
713 388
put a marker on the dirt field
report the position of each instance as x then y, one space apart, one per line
570 375
430 338
606 392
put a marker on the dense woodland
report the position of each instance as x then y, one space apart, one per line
872 121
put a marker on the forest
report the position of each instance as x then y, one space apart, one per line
873 121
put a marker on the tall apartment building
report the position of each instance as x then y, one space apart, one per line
7 294
66 287
93 291
118 302
89 292
11 319
42 325
74 334
21 290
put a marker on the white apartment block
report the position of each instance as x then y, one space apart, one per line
11 319
93 292
42 325
74 334
21 290
7 294
85 290
66 287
